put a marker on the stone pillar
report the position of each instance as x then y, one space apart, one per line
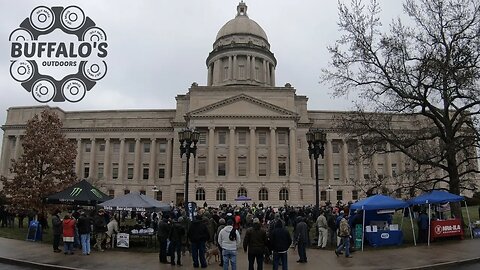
293 152
217 72
359 163
267 74
78 159
230 68
235 67
253 69
345 161
92 159
329 161
247 68
211 153
388 162
168 165
231 154
18 144
273 76
264 71
137 166
209 76
273 153
153 161
5 155
121 161
106 161
252 156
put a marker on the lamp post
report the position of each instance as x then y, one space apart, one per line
188 139
316 139
155 190
329 189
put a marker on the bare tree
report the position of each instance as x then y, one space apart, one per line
422 74
46 165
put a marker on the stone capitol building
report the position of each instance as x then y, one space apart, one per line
252 137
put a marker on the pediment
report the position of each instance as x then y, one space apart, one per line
242 106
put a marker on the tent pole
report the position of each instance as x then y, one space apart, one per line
363 228
469 222
411 222
401 224
429 215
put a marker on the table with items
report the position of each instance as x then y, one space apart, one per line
145 236
384 236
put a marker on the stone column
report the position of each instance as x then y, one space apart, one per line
247 68
267 74
211 153
374 164
209 76
273 76
230 68
231 154
168 169
121 161
137 167
92 159
345 160
273 153
264 71
78 159
293 152
252 156
359 163
153 161
5 155
235 67
329 161
106 161
18 144
253 69
388 162
217 72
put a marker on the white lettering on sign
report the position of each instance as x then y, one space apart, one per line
385 235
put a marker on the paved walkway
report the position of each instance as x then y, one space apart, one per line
406 257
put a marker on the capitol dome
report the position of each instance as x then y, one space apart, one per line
241 24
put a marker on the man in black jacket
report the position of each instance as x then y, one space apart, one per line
176 234
162 235
57 230
100 227
84 229
280 241
256 242
198 235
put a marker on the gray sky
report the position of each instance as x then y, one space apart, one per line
157 48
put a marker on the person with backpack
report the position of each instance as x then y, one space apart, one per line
344 234
229 240
280 241
255 242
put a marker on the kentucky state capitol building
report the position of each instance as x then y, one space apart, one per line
252 137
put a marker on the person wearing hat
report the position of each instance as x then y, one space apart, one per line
57 230
255 241
229 240
99 227
221 225
84 229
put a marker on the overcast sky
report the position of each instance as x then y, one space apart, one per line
157 48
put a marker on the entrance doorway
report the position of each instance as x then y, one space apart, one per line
179 199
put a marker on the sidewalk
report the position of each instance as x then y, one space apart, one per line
406 257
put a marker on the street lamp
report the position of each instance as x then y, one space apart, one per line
188 139
155 190
316 139
329 189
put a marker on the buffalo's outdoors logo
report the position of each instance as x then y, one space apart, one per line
75 192
58 54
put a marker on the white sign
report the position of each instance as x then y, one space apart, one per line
123 240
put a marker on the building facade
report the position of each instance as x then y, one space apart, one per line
252 137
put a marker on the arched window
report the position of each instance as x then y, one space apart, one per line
242 192
200 194
159 195
263 194
283 194
221 194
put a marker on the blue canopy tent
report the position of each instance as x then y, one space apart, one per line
379 202
438 197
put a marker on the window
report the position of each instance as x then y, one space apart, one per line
161 170
323 195
262 166
335 147
336 172
351 171
241 72
242 166
299 168
101 147
115 170
184 167
352 147
146 171
200 194
263 194
366 171
221 194
394 169
282 166
100 169
146 147
380 170
126 191
142 192
163 147
339 195
116 147
222 166
225 73
242 192
262 138
242 137
86 170
257 73
202 139
131 147
283 194
321 171
130 171
88 147
222 137
282 138
159 195
354 195
202 166
111 193
301 194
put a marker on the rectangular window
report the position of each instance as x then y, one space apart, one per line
321 172
225 73
115 170
282 138
352 147
394 169
111 193
143 192
336 171
86 170
88 147
262 166
354 195
146 147
116 147
366 171
130 171
163 147
146 171
242 166
202 139
241 72
242 137
202 166
323 195
222 137
126 191
351 171
335 147
339 195
380 170
101 147
301 194
100 168
184 167
222 166
131 147
262 138
282 166
161 170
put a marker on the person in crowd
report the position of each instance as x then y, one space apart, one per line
423 227
229 240
84 229
332 228
176 235
21 217
68 226
344 233
57 230
322 226
198 235
280 241
255 242
301 239
100 227
112 230
162 235
221 225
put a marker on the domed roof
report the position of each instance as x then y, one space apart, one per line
241 24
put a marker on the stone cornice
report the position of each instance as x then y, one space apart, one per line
98 129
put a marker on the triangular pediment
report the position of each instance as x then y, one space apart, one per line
242 106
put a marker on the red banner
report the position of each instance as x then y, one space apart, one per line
446 228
